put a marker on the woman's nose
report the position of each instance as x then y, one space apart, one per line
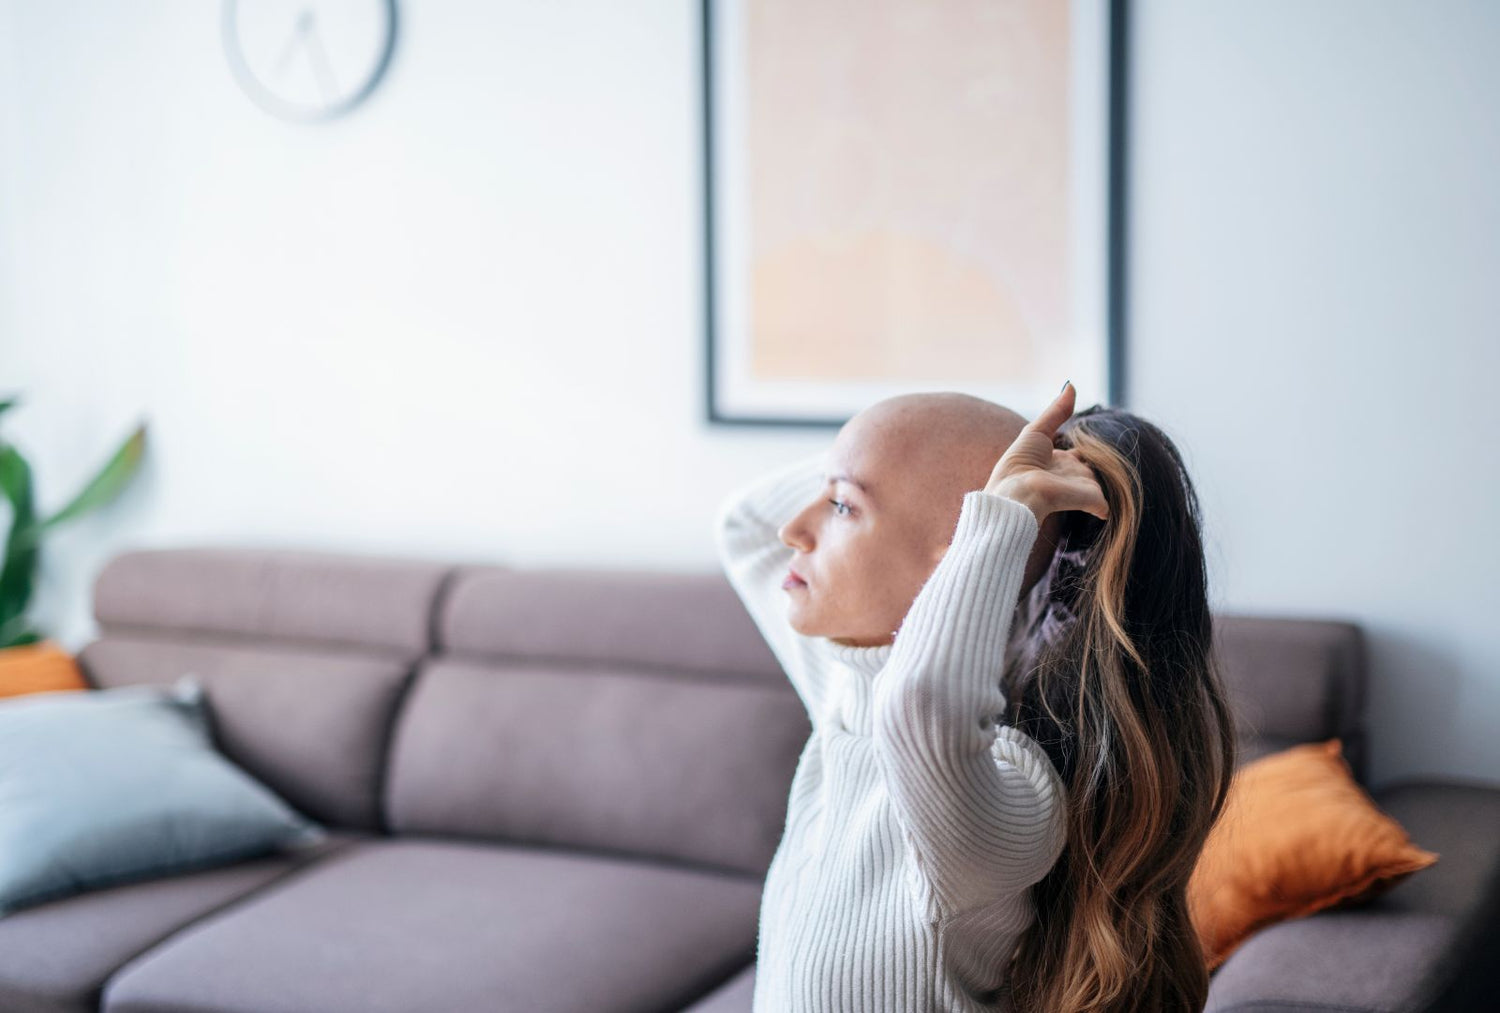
792 534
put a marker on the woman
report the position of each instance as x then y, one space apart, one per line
1020 740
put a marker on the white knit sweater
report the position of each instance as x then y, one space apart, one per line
916 822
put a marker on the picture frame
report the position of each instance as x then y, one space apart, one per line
932 198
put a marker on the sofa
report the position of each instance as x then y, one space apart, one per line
560 789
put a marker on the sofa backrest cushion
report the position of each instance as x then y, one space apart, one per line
631 712
1295 680
689 623
303 657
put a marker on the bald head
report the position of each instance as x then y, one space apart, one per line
869 540
931 447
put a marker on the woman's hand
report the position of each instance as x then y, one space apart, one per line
1046 479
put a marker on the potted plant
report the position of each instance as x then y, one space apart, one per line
23 543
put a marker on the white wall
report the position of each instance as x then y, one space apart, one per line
1315 311
464 322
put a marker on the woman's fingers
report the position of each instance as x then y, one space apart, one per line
1076 487
1033 459
1055 476
1056 413
1092 493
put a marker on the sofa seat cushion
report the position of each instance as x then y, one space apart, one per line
56 956
1353 961
734 996
401 924
1460 820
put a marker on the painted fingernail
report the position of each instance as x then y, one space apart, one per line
1065 386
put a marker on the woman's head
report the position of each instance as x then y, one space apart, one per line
896 479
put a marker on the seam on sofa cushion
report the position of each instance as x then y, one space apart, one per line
385 742
96 995
387 739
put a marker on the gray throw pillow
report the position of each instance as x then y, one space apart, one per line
103 786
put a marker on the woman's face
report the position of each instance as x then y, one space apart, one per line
895 481
863 553
868 542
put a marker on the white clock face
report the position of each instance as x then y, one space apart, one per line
308 59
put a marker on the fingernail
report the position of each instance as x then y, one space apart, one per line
1064 386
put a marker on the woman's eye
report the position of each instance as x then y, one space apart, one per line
840 503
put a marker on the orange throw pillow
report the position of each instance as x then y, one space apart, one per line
40 667
1298 834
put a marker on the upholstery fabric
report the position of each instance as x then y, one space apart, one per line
597 756
408 924
734 996
1357 961
288 595
1294 680
669 622
56 957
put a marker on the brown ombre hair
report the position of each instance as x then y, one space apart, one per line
1111 669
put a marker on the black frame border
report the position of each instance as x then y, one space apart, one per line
1118 74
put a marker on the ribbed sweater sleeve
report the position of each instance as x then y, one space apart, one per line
755 560
979 802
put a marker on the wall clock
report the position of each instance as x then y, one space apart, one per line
308 61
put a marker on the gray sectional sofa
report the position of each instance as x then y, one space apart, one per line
559 790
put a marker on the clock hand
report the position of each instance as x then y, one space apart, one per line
321 64
303 23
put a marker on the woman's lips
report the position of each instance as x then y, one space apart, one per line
792 581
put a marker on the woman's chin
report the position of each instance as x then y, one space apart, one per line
802 623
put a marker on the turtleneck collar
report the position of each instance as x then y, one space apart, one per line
866 660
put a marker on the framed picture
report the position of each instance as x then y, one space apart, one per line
909 196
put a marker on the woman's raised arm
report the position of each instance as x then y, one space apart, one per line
979 802
755 560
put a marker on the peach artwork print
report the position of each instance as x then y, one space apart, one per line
909 165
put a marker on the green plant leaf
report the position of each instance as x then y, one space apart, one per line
18 575
15 480
104 487
18 632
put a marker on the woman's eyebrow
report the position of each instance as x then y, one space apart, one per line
841 477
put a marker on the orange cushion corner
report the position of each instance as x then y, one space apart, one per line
40 667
